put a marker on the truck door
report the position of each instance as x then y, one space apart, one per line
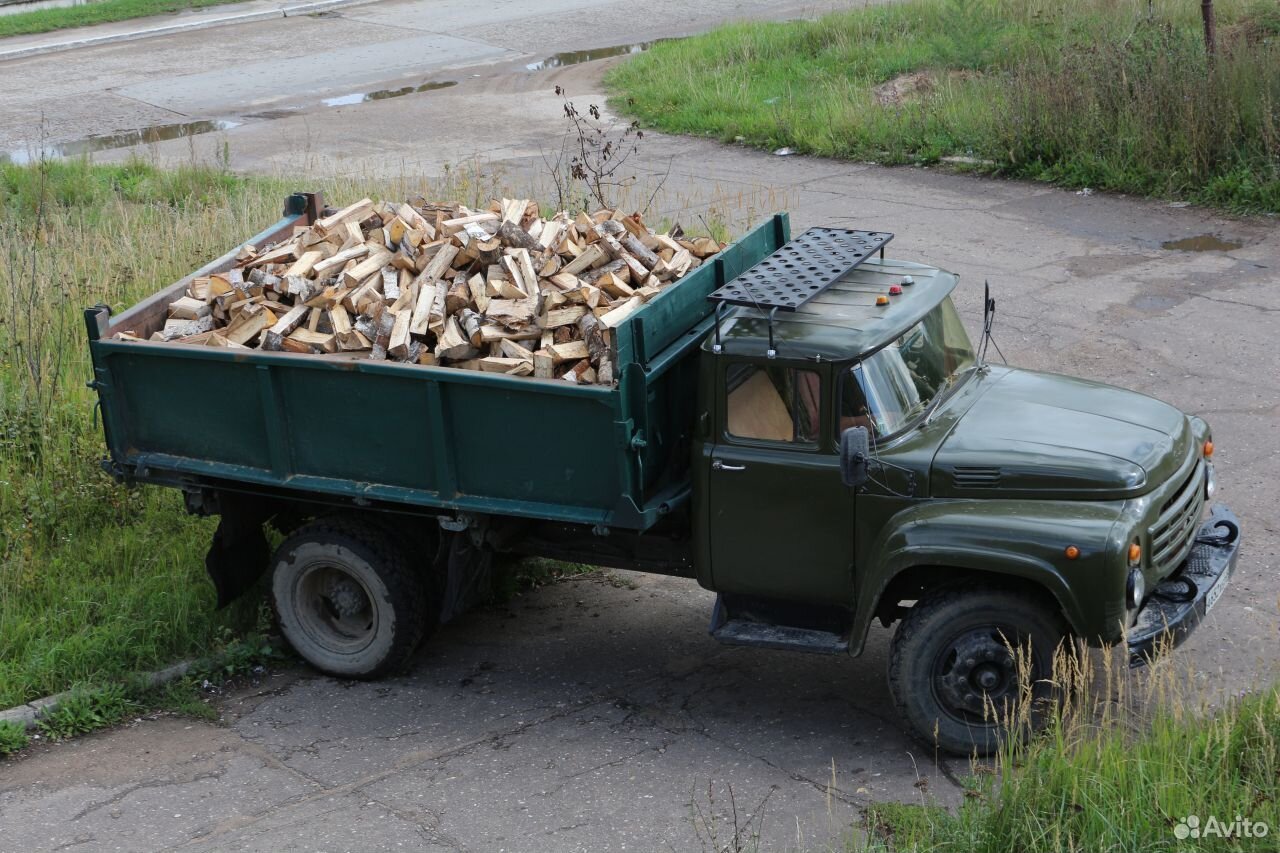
780 521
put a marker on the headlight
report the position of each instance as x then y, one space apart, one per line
1210 483
1135 589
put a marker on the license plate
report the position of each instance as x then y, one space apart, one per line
1215 592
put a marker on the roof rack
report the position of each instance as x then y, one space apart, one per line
796 273
800 270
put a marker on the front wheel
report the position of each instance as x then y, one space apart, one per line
964 660
347 598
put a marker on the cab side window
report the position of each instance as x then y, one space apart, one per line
773 403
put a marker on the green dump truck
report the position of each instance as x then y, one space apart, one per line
802 426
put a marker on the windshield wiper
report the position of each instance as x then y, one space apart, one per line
949 385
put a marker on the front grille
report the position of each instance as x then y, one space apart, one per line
976 477
1172 534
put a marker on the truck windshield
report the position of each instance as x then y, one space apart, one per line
886 390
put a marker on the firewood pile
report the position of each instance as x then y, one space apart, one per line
501 290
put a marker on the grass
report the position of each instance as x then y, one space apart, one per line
94 12
1109 94
1116 770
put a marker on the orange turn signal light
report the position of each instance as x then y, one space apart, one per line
882 300
1135 553
1208 449
1072 552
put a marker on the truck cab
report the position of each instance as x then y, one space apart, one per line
857 459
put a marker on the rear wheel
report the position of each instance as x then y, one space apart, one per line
960 661
348 599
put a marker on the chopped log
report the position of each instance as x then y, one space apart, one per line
283 326
593 334
188 308
320 341
398 343
563 317
615 317
479 292
568 352
305 264
390 284
470 322
641 252
185 328
591 257
493 364
516 237
458 295
453 226
386 325
454 344
612 284
544 364
247 327
576 373
492 334
370 265
354 341
618 268
511 349
357 212
439 263
512 313
339 260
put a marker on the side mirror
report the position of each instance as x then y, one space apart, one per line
855 451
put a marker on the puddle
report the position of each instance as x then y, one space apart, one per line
164 132
384 94
577 57
109 141
1201 243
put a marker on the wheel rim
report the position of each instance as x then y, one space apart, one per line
335 608
976 672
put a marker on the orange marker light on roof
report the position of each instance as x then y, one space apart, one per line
882 300
1208 449
895 290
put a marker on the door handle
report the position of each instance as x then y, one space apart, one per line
720 466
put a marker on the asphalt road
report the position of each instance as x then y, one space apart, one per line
596 714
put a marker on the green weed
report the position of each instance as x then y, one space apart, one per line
86 710
13 737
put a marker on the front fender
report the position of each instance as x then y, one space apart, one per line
1022 539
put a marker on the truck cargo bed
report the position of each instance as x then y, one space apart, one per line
345 430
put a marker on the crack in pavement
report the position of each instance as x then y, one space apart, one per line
150 783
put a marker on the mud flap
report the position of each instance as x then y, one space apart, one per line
468 575
238 554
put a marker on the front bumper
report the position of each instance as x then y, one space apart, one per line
1175 607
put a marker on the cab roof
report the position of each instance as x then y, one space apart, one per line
843 322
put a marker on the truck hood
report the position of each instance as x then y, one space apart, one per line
1048 436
